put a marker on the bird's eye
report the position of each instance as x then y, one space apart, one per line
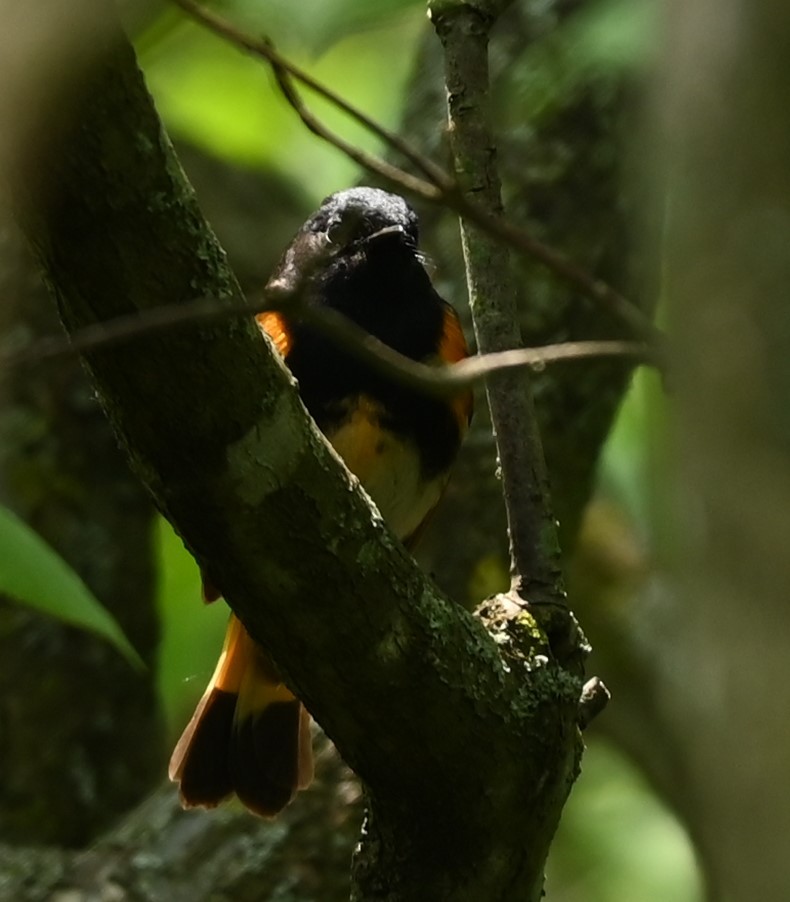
347 228
337 232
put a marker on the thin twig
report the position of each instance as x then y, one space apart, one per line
371 163
449 380
121 329
561 265
438 187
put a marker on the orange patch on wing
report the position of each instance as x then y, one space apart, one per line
274 325
452 348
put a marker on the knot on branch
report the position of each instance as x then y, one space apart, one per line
568 643
535 632
564 638
526 652
515 630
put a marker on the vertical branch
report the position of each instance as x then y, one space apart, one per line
463 29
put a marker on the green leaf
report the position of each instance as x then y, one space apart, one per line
32 573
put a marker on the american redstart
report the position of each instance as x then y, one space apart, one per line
249 734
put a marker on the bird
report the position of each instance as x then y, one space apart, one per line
358 255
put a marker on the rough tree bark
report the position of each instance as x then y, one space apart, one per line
160 852
247 472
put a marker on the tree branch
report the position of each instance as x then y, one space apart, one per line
536 576
534 549
443 382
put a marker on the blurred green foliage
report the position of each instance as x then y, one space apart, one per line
634 459
615 34
210 93
32 573
191 631
608 35
617 843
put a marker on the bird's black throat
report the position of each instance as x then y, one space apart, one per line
382 286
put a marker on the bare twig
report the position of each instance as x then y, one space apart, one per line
376 165
442 381
436 187
561 265
450 380
103 335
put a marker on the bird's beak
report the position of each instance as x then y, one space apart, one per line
388 230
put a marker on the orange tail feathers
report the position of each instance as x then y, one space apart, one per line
249 735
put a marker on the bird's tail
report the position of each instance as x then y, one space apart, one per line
249 735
